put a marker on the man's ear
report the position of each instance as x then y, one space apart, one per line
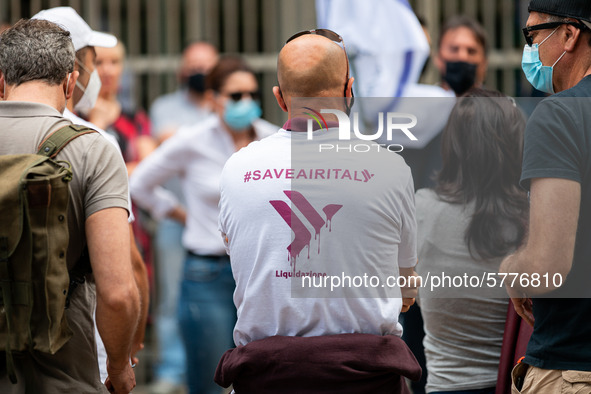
70 84
573 34
279 97
2 86
349 91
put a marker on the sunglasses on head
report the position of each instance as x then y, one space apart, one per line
331 35
550 25
237 96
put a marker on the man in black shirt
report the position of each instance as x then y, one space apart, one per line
554 264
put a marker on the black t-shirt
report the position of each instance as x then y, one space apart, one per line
558 145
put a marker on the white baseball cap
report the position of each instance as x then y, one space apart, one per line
82 35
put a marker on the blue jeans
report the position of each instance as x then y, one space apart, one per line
207 317
170 255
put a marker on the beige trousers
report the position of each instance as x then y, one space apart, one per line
549 381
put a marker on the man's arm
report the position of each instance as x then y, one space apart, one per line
118 305
554 214
141 279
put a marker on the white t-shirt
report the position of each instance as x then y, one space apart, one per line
196 154
351 215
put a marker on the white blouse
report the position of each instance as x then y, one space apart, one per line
196 154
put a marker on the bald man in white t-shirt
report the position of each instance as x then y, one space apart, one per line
295 218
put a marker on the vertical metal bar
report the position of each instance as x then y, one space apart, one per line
470 8
75 4
15 11
272 41
289 25
270 25
153 33
133 42
306 14
508 30
133 27
211 23
54 3
194 21
489 21
173 33
4 17
250 21
451 8
114 19
92 13
34 7
230 19
432 13
173 38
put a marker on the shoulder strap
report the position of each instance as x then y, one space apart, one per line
57 140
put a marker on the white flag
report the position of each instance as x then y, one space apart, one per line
385 42
387 50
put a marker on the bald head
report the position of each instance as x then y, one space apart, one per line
312 66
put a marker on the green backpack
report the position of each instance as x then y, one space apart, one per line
34 278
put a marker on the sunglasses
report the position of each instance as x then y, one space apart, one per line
331 35
550 25
237 96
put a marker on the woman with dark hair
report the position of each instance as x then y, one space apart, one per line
197 154
476 215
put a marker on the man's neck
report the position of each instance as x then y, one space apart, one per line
578 72
37 92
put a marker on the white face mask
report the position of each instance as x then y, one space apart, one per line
91 92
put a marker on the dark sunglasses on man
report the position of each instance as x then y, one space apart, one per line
550 25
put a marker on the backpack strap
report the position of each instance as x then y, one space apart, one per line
56 141
50 147
7 298
78 274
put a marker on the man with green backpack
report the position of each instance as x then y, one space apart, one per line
63 202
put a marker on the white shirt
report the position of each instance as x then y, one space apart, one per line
197 155
357 218
173 110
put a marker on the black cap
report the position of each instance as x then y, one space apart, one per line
577 9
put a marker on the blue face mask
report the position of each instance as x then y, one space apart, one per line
537 74
239 115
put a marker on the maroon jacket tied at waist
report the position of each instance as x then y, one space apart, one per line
344 363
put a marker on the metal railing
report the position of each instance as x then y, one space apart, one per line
155 32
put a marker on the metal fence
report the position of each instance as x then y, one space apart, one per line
155 31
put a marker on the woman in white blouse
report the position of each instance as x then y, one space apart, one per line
197 155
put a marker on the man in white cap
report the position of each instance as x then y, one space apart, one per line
84 40
83 100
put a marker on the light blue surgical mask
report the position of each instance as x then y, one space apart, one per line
239 115
537 74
